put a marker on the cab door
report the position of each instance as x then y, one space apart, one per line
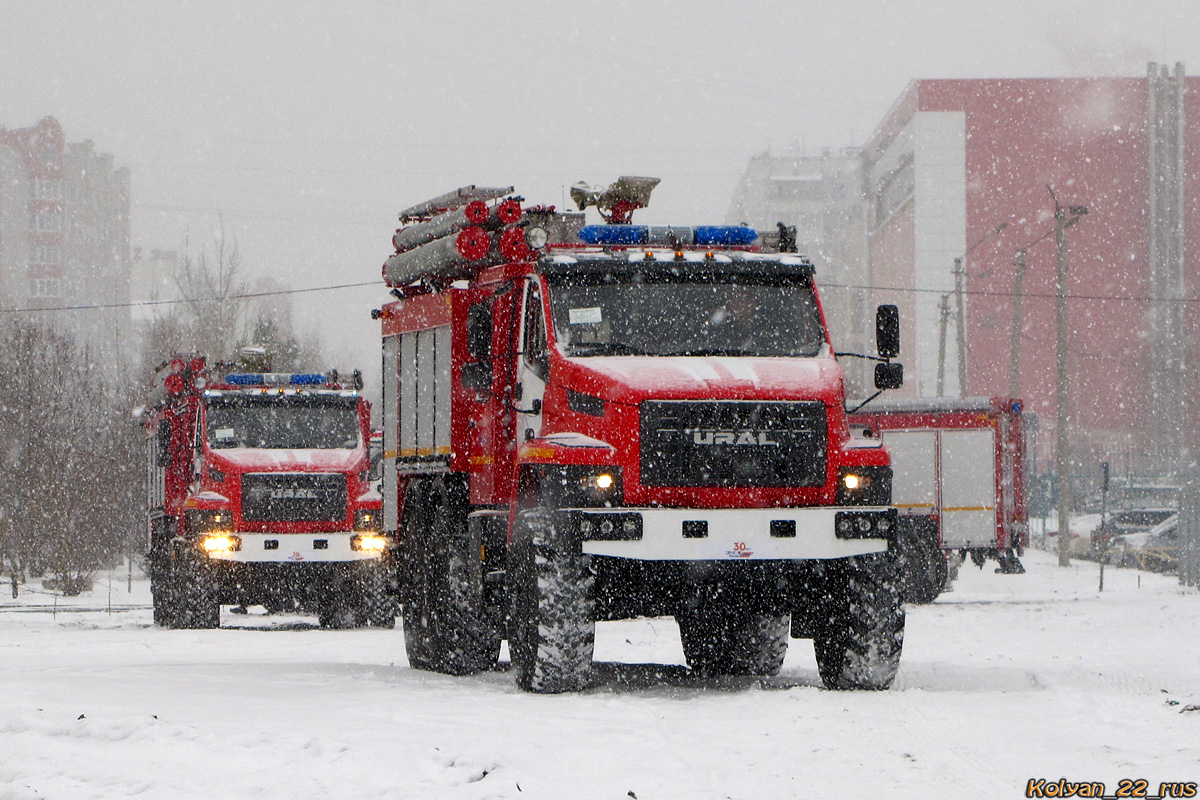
533 365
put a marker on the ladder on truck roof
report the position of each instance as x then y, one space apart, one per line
452 200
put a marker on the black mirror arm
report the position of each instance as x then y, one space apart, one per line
860 355
864 402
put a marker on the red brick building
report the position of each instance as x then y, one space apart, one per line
954 160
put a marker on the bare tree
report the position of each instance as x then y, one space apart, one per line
213 289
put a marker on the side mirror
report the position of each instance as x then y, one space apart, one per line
477 376
163 457
889 376
887 331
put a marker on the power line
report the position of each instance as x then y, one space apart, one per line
192 300
859 287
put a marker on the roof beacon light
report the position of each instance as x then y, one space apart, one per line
701 236
275 379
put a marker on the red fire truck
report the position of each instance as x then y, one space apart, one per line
597 422
959 483
258 493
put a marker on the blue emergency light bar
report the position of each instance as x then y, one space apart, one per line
275 379
666 236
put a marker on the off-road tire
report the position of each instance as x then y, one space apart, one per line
552 627
162 592
341 605
923 568
723 635
445 624
194 593
379 604
858 642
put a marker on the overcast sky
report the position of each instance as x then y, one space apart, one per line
306 126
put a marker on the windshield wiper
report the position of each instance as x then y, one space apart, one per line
607 349
713 351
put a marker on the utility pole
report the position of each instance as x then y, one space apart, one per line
1014 379
960 279
1063 219
960 324
943 319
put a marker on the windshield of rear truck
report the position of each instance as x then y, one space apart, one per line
664 314
282 422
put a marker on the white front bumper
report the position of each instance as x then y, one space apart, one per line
741 534
295 548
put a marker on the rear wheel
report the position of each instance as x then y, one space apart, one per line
858 642
552 623
722 634
923 568
445 625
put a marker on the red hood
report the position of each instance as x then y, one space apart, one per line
245 459
631 379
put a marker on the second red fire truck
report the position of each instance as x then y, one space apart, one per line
597 422
259 493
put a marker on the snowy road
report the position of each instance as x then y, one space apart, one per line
1005 679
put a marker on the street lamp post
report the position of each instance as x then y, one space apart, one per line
1063 219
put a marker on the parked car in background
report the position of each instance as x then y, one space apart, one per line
1156 549
1120 523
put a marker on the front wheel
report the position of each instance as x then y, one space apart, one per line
858 641
194 592
552 624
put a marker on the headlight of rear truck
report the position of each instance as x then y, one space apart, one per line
864 486
221 543
368 542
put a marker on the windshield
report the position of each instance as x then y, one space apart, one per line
283 423
660 314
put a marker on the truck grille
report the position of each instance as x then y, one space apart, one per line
293 497
733 443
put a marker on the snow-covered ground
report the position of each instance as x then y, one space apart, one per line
1007 678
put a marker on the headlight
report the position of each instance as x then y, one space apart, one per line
368 542
580 486
222 543
864 486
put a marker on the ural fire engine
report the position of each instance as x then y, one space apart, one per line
959 483
598 422
259 494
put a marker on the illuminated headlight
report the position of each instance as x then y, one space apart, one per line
368 519
864 486
604 481
368 542
222 543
